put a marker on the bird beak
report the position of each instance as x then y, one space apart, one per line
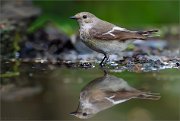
73 17
73 113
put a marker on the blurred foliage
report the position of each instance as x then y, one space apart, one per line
131 14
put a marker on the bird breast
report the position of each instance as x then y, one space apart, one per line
84 32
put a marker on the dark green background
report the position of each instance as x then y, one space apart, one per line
131 14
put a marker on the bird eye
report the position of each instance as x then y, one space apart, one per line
84 16
84 114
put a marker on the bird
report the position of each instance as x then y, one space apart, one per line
105 92
105 37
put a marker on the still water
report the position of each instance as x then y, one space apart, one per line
44 91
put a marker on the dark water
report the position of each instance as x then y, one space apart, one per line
40 91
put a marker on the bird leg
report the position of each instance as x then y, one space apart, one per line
105 72
104 60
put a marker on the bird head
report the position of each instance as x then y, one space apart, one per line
84 18
84 111
82 115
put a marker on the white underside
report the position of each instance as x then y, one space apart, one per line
108 47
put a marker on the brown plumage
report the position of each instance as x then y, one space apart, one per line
105 37
105 92
119 35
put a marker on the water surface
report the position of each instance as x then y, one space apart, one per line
44 91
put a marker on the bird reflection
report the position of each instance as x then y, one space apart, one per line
105 92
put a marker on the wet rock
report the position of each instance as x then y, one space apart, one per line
70 64
16 15
152 58
154 44
71 55
146 63
172 35
86 65
177 64
172 53
16 10
137 68
46 42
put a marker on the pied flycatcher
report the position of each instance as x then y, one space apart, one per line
104 37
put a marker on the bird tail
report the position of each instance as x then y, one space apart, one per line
150 96
149 33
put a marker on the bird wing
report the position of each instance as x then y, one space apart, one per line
121 96
117 33
124 95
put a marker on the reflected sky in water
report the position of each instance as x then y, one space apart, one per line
51 92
